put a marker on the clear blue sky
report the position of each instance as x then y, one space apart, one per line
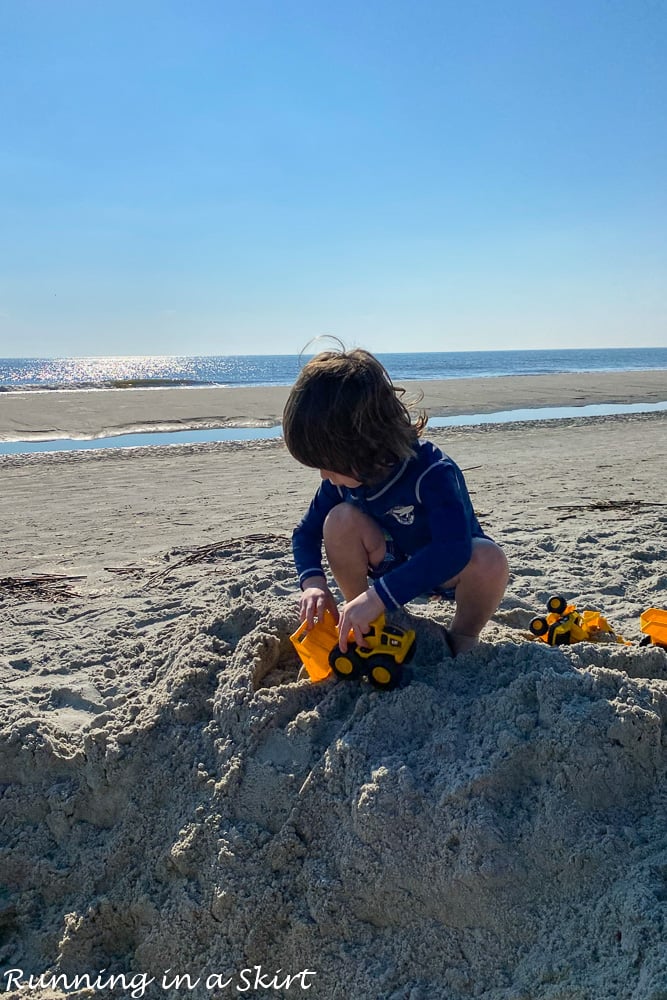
239 176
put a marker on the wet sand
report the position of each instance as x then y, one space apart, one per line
98 413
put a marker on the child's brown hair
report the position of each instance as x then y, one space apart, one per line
344 414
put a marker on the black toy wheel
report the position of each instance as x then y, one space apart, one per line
346 665
539 626
556 604
384 672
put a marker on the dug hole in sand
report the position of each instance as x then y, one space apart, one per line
496 828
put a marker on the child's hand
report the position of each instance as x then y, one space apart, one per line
315 600
357 616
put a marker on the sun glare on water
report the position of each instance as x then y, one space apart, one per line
117 371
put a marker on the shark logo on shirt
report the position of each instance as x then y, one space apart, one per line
404 515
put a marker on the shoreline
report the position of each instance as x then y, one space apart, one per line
444 437
84 413
149 385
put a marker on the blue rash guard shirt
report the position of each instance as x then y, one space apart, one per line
424 506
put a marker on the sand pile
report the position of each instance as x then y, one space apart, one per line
495 828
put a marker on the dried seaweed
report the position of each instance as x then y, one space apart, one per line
39 587
230 547
125 570
604 506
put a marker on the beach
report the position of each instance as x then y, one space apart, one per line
47 414
175 798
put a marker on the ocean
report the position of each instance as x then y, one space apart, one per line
281 369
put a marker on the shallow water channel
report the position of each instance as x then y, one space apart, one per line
142 440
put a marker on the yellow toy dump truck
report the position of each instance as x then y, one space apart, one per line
564 625
386 650
653 624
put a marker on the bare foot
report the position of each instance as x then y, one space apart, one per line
460 643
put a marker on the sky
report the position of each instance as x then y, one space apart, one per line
240 176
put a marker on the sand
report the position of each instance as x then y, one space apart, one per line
173 798
44 415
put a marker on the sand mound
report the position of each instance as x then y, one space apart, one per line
495 828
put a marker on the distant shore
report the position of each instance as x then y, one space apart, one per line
86 414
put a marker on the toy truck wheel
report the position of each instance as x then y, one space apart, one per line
384 672
346 665
556 604
539 626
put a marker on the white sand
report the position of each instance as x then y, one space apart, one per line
173 798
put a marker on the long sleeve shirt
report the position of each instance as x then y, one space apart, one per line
424 506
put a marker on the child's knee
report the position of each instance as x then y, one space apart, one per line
343 519
346 524
489 558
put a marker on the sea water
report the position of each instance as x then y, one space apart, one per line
282 369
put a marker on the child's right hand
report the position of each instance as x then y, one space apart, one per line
315 600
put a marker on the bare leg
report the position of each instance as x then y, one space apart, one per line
479 589
353 541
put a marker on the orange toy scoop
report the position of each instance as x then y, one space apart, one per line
653 624
314 645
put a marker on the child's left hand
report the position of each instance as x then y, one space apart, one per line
357 615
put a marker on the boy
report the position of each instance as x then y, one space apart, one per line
390 507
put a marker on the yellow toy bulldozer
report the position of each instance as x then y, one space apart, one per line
381 659
564 625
